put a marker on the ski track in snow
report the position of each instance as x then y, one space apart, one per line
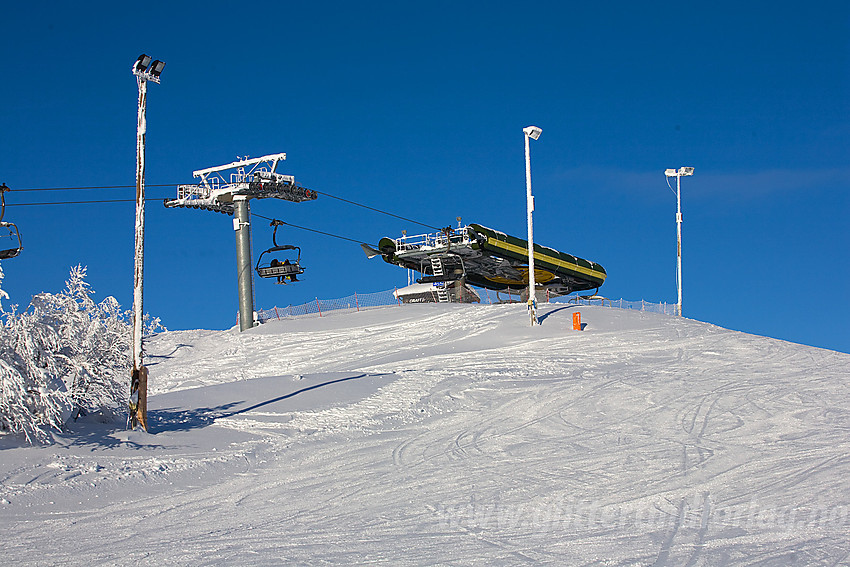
454 435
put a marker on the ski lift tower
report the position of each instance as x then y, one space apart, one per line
254 178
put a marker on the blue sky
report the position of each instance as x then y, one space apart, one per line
418 108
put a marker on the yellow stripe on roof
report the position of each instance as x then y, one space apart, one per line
546 258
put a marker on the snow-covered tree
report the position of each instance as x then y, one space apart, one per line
62 356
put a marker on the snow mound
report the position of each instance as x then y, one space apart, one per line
455 434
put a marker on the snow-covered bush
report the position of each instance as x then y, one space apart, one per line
63 355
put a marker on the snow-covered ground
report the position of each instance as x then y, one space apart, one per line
454 435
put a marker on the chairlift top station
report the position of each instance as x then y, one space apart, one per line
490 259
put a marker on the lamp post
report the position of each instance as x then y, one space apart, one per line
145 71
532 132
678 174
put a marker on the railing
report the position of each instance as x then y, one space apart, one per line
432 240
213 183
192 192
363 301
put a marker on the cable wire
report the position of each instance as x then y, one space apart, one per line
98 201
75 202
377 210
100 187
309 229
133 201
91 187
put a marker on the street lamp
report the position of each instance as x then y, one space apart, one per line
534 133
678 174
144 71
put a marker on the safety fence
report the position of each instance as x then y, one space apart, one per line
509 297
363 301
664 308
321 307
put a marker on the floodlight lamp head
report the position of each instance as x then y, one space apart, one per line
686 171
156 68
670 172
141 64
532 132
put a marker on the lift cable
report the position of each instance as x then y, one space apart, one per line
133 200
309 229
377 210
155 199
150 199
74 202
344 200
252 214
91 187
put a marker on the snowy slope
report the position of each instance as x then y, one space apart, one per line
454 435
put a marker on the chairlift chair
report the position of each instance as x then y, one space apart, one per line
10 244
279 265
280 269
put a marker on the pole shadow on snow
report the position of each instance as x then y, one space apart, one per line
301 391
545 316
179 419
97 430
94 431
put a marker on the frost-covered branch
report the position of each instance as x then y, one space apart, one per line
63 355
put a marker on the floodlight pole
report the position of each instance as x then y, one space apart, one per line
678 174
679 243
139 264
530 132
144 71
242 227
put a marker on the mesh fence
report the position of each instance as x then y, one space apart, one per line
491 297
665 308
363 301
321 307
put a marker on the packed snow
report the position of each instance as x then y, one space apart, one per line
452 435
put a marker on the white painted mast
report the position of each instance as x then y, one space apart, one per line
678 174
534 133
